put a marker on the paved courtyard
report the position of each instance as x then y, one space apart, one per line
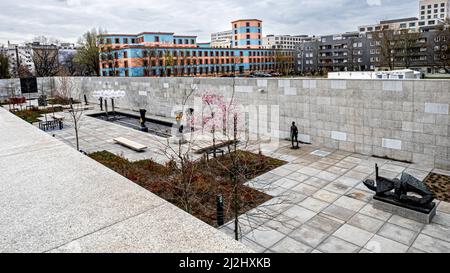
97 135
319 204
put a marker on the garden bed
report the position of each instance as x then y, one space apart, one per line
439 184
32 115
208 179
61 101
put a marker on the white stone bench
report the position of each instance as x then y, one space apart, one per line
60 117
130 144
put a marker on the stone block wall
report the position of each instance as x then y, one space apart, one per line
406 120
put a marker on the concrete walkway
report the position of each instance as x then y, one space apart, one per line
54 199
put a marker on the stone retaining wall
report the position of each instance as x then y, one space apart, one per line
406 120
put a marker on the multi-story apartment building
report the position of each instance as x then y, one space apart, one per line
394 24
283 41
390 44
247 33
433 12
166 54
221 39
19 55
65 50
426 51
339 52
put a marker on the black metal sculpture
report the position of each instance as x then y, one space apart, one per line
294 136
220 210
142 120
396 192
42 100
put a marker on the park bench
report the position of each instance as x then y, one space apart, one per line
130 144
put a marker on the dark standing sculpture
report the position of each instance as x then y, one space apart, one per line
101 103
42 100
85 100
143 128
294 136
220 210
396 191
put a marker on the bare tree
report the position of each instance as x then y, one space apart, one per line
169 63
440 56
282 62
407 47
147 58
69 90
69 67
4 67
46 60
23 71
386 46
88 52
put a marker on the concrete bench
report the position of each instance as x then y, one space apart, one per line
59 117
130 144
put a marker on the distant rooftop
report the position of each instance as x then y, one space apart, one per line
399 20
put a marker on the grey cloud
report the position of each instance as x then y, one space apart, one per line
21 20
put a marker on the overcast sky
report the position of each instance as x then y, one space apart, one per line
66 20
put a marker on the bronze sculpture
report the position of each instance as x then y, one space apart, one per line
396 192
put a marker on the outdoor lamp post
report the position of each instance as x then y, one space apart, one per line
104 95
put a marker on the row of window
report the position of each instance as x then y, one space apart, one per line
161 54
247 25
109 41
194 71
188 62
431 6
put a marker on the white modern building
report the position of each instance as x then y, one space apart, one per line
222 39
283 41
65 50
394 24
22 54
371 75
19 55
433 12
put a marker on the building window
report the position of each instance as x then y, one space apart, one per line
247 24
117 41
125 64
125 40
125 54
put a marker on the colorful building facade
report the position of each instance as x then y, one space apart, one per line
156 54
247 34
